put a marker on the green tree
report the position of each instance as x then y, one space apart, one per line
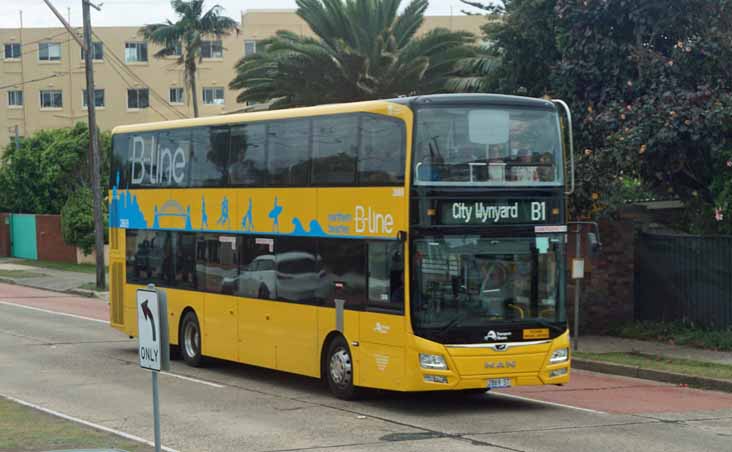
77 219
649 84
521 49
363 50
49 166
186 36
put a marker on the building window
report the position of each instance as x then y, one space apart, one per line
49 51
98 98
212 49
213 96
15 98
250 47
97 52
12 51
52 98
135 52
176 96
138 98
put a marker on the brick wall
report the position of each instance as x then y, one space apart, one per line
51 245
607 291
4 234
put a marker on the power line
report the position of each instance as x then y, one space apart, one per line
113 64
137 78
29 43
30 81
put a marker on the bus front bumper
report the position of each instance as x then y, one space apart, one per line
477 367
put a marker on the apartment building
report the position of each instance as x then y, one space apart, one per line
42 81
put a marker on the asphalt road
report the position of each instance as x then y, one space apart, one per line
85 369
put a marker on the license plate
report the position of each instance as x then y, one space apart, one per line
496 383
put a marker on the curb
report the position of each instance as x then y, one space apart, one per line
650 374
80 292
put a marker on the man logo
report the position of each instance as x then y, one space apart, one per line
500 365
497 336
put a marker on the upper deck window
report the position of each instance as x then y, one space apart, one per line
487 146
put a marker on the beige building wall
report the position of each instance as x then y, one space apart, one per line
115 76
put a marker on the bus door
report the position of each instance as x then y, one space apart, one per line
382 323
219 330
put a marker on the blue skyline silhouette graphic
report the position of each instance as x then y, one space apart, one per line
125 211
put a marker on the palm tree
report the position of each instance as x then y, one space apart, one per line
185 36
363 50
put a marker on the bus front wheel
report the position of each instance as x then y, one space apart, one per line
190 340
339 370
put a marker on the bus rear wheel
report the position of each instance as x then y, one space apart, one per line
190 340
339 370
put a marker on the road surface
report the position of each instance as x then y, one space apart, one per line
58 353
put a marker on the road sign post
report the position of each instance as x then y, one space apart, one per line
153 347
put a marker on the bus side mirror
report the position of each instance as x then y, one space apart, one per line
402 236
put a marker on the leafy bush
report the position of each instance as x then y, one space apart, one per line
49 166
77 220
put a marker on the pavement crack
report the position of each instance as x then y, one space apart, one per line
79 343
559 428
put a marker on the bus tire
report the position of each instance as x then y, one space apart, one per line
339 370
190 340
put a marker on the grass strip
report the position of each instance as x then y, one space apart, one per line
20 274
653 362
676 333
27 429
64 266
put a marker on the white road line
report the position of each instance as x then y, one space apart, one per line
87 423
33 308
544 402
195 380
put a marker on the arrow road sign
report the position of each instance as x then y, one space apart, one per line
153 340
149 316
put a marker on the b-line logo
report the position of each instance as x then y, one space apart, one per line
149 317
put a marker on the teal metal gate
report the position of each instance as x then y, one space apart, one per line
23 236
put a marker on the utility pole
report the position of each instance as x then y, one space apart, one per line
93 132
94 143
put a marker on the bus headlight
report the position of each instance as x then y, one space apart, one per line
559 355
427 361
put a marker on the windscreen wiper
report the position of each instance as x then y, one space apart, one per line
451 324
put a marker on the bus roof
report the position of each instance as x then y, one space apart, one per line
373 105
475 98
328 109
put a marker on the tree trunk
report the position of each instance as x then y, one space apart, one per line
191 68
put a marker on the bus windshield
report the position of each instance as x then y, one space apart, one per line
471 281
487 146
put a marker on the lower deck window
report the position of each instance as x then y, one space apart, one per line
366 273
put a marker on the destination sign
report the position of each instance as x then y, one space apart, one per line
497 211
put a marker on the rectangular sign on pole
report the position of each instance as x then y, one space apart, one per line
152 329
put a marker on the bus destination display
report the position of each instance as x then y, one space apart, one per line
495 212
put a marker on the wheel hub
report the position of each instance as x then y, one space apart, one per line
340 367
191 340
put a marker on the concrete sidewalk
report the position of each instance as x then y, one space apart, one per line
47 278
608 344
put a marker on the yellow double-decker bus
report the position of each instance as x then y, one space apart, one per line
413 244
